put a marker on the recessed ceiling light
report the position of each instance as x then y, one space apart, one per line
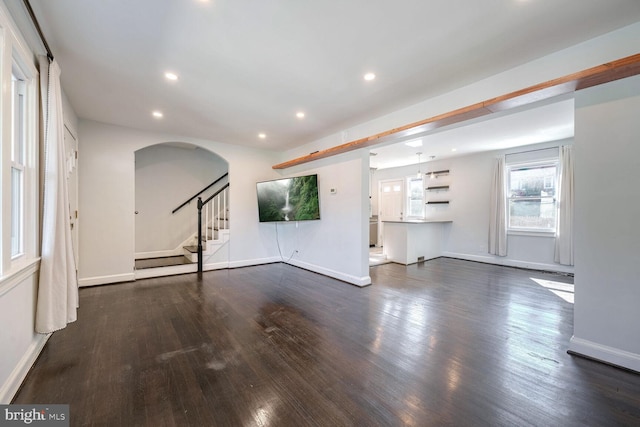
369 76
171 76
300 114
262 135
454 149
157 114
414 143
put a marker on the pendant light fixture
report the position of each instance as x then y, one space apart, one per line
433 175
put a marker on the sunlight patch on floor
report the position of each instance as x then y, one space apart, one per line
563 290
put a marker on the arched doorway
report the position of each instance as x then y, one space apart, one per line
167 175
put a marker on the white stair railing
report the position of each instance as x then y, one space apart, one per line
215 218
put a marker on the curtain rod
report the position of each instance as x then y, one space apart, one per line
37 25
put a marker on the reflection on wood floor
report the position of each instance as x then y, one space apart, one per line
445 342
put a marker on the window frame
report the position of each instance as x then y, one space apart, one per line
532 164
18 161
408 199
16 59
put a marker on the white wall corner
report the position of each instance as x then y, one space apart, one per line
353 280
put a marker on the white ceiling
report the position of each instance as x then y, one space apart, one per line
247 66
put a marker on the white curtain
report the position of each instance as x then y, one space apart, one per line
564 230
498 213
58 286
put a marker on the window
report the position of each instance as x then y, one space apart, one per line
531 196
415 202
19 158
17 164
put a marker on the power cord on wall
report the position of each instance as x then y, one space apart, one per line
278 242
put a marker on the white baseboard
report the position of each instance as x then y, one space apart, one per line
104 280
215 266
192 268
11 386
250 262
354 280
606 354
511 263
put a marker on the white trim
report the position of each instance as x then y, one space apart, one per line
105 280
603 353
252 262
193 268
512 263
19 373
358 281
16 275
215 266
19 43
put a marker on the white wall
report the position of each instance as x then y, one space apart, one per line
337 244
107 205
607 156
470 185
165 177
107 200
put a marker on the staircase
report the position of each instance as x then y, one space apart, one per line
213 227
214 235
211 236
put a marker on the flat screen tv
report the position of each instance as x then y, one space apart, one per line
289 199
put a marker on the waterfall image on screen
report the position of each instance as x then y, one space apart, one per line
289 199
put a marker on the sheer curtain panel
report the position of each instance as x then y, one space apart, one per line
498 213
58 285
564 229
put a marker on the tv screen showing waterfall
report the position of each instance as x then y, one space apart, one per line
289 199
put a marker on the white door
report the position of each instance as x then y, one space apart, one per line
390 204
71 150
391 200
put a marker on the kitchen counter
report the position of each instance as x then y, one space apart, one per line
410 241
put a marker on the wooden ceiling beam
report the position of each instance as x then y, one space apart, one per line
615 70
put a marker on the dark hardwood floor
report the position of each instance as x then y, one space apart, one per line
447 342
